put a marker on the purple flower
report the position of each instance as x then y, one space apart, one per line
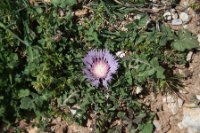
100 65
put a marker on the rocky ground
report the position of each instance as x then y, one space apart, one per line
179 113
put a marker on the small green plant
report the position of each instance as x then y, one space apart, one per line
41 62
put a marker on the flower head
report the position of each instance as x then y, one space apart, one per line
100 65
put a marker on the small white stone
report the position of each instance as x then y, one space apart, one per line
138 90
154 1
172 10
180 125
168 99
198 97
138 16
157 125
176 22
155 9
167 16
184 17
73 111
120 54
193 130
172 107
183 91
180 103
189 56
185 26
174 14
124 29
198 38
191 119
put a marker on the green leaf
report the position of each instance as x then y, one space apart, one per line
147 128
147 73
2 111
23 93
160 73
63 3
163 41
143 21
121 114
185 42
30 53
26 103
128 77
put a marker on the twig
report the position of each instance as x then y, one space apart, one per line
138 60
141 9
71 95
13 34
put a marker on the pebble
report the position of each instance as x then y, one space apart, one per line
172 107
138 17
138 90
185 26
167 16
180 125
155 9
176 22
191 119
180 103
198 38
73 111
183 91
174 14
157 125
120 54
168 99
184 17
185 73
198 97
189 56
154 1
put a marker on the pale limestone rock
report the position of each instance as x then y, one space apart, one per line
157 125
189 56
169 99
167 16
138 90
198 97
184 17
191 119
120 54
176 22
180 102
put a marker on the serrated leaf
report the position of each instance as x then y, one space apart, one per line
185 42
147 128
147 73
129 77
163 41
23 93
143 21
182 45
63 3
30 53
160 73
26 103
2 111
120 114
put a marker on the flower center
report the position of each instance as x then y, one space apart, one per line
100 69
